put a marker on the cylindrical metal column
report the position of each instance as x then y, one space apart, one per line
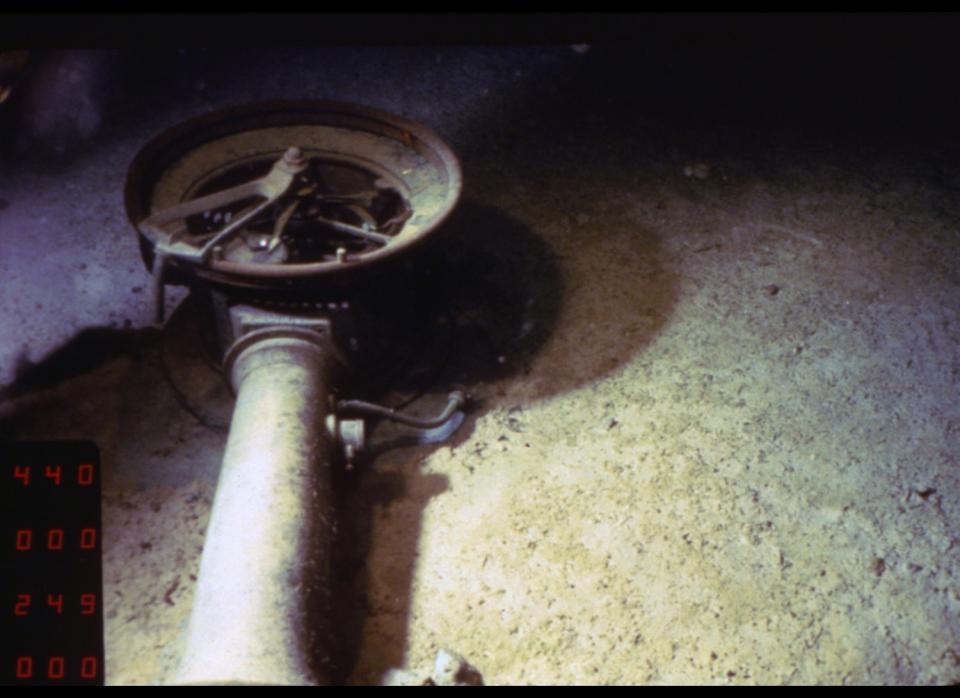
260 610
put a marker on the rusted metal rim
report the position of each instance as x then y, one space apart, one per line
165 150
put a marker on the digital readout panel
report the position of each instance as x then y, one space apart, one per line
51 575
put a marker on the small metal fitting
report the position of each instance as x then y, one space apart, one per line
350 435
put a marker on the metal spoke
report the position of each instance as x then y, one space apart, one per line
379 238
281 224
271 187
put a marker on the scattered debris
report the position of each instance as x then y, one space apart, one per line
697 169
707 248
168 594
449 669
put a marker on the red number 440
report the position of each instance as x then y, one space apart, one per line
55 473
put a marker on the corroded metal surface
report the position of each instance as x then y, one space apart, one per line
268 197
352 150
261 600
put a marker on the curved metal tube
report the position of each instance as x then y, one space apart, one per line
456 400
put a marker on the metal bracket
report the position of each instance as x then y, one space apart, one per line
247 318
350 435
248 325
270 188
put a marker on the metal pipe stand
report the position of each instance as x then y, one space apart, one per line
262 592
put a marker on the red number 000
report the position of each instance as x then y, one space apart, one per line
88 668
56 668
88 538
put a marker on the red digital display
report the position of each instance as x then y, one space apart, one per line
86 539
50 569
56 668
82 474
87 603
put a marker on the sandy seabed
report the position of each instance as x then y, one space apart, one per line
716 428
